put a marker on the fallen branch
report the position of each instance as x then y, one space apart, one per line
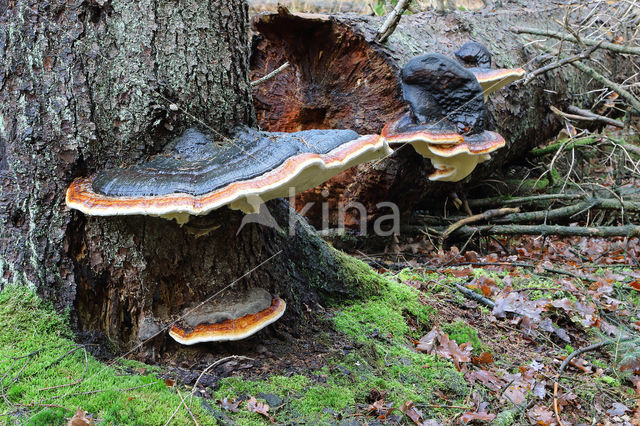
542 70
564 36
527 265
545 230
568 211
489 214
470 294
592 116
628 96
392 20
507 201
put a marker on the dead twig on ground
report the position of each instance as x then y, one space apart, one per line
628 96
557 64
475 218
632 50
545 230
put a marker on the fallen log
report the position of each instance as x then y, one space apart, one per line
341 78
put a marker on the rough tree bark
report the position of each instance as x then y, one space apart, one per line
90 84
340 77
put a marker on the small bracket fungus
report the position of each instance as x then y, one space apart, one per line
477 59
196 176
229 318
446 118
453 158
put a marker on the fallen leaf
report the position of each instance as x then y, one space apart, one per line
469 417
487 378
541 415
230 404
80 419
617 409
412 412
259 407
484 358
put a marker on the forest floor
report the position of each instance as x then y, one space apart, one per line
494 333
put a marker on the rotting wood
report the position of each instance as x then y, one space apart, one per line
341 78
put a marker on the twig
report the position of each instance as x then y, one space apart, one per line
633 101
271 74
568 359
544 230
215 364
392 20
589 348
505 201
555 403
592 116
580 56
185 406
475 296
564 36
77 382
475 218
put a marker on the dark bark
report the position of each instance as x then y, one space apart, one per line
340 77
90 84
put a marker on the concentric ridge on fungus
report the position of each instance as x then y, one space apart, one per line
232 329
258 164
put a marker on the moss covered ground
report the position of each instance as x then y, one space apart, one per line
46 376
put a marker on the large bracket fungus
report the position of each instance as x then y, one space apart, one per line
197 176
446 118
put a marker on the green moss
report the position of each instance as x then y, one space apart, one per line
358 275
31 329
506 418
385 312
462 332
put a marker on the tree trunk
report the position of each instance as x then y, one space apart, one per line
340 77
86 85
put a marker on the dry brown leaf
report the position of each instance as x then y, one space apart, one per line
80 419
230 404
412 412
259 407
541 415
484 358
469 417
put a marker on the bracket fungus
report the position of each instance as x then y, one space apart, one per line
196 175
477 58
229 318
453 156
446 118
